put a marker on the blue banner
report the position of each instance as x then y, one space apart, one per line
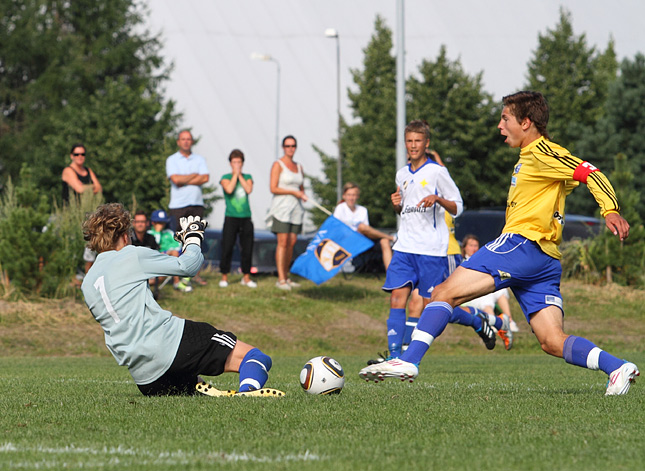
333 244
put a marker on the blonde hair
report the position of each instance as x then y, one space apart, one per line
103 228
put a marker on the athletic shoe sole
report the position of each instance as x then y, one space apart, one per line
264 392
209 390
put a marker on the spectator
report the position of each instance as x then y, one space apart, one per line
81 180
77 176
187 173
237 187
356 217
168 245
140 235
286 214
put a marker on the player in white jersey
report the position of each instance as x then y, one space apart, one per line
425 191
164 353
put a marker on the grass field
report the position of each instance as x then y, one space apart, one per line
65 404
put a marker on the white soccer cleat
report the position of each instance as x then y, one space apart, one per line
621 379
394 368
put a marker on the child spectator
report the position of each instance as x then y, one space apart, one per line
167 244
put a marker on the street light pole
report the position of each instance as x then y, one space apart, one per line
332 33
266 57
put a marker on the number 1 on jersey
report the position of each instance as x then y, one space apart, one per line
100 286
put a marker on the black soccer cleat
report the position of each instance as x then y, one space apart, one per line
486 332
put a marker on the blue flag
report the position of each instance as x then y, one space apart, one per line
333 244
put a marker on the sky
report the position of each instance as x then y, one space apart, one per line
228 100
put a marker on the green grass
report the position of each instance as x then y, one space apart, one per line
464 412
65 404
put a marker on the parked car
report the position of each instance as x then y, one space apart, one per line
264 246
487 224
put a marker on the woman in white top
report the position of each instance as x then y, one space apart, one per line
286 213
355 216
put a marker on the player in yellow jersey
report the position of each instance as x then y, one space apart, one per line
526 256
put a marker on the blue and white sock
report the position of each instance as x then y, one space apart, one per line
433 321
395 331
581 352
410 325
254 370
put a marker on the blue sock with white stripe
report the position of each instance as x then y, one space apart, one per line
395 331
581 352
433 321
410 325
254 370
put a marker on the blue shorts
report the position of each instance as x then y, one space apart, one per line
453 262
419 271
518 263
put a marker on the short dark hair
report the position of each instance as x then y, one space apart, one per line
289 137
531 105
78 144
141 212
236 154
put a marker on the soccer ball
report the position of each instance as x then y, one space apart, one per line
322 375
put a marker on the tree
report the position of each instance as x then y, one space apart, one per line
83 71
369 145
573 77
463 119
621 129
624 260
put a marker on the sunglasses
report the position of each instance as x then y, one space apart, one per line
77 154
288 146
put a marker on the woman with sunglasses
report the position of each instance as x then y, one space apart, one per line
286 214
77 177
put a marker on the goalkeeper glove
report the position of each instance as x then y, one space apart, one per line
192 231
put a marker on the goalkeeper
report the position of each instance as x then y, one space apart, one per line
164 353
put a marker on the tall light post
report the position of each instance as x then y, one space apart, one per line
332 33
256 56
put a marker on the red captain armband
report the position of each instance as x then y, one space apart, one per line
582 171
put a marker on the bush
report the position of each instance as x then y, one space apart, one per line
40 251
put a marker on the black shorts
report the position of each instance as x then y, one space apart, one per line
203 350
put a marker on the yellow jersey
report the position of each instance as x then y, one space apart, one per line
545 174
453 245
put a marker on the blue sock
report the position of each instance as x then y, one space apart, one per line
433 321
463 316
498 322
410 325
395 331
581 352
254 370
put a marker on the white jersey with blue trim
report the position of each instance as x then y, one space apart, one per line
138 332
423 230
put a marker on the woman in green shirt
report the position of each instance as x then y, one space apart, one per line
237 220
